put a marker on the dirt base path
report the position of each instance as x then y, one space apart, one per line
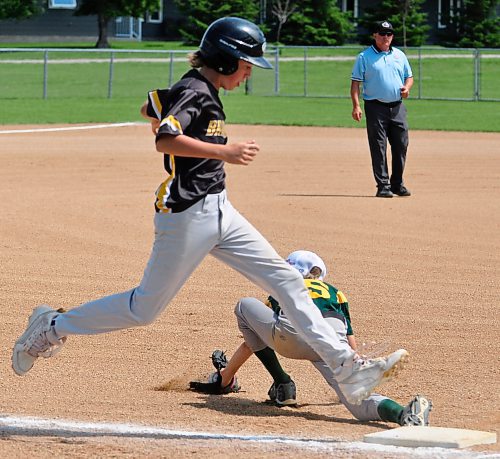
420 273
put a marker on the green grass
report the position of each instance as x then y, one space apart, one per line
78 92
422 114
435 78
241 109
451 78
320 78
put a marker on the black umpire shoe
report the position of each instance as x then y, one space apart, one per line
401 191
384 193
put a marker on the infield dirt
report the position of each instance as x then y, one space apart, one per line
420 273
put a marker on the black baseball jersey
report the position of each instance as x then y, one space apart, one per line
330 301
191 107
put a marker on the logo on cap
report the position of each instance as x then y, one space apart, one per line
386 25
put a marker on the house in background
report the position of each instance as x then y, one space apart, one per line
438 12
58 21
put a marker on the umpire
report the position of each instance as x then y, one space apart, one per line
387 79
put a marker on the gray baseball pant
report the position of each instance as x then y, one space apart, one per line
182 240
261 328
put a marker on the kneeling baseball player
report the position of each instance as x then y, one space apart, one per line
266 330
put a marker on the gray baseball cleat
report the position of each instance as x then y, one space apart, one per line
271 393
284 394
359 378
416 413
38 340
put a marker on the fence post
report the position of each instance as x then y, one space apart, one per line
305 71
420 73
171 70
276 71
111 68
45 72
248 86
477 89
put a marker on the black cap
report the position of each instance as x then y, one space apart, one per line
383 26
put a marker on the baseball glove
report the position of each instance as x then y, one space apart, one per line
214 383
219 359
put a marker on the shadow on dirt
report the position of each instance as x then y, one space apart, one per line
243 407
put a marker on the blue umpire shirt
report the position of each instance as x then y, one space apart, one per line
382 73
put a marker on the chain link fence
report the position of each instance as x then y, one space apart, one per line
440 74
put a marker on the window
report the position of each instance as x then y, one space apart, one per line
447 10
352 6
62 4
155 16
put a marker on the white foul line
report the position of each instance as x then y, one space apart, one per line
69 128
32 426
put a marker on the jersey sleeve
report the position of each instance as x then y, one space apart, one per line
358 70
157 99
176 111
344 306
407 68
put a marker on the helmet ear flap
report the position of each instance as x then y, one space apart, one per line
224 64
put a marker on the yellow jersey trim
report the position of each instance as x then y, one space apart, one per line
163 190
173 123
155 102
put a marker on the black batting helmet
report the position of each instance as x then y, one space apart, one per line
229 39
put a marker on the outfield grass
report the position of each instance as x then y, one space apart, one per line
77 90
422 114
241 109
89 72
90 76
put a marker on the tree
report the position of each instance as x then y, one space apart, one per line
199 14
282 10
405 7
410 24
317 22
19 9
109 9
474 24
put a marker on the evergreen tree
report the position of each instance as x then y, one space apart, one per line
410 24
474 25
317 22
199 14
19 9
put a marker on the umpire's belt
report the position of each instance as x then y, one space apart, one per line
385 104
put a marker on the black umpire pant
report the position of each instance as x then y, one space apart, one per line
387 121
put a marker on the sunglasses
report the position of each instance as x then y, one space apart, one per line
386 34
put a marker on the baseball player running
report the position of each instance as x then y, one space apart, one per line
194 218
266 329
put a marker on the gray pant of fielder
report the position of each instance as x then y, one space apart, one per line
262 328
182 240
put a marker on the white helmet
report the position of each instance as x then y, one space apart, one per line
304 260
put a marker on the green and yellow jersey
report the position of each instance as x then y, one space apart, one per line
330 301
